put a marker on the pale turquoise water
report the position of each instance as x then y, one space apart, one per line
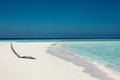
54 40
102 52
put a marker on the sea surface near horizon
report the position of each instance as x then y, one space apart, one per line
52 40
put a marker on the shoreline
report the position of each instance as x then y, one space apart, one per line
93 69
111 72
47 65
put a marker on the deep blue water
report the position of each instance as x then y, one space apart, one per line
59 19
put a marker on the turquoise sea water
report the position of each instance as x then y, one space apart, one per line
101 52
54 40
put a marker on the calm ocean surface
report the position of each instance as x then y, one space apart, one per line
55 40
105 52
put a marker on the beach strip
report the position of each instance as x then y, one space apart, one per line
44 67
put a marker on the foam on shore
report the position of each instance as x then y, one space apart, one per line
94 69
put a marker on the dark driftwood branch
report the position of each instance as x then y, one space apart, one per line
26 57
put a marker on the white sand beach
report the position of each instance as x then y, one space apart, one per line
44 67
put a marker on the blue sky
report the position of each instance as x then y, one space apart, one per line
33 17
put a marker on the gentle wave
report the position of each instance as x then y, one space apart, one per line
94 71
110 72
97 54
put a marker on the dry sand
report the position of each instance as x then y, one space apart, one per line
44 67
